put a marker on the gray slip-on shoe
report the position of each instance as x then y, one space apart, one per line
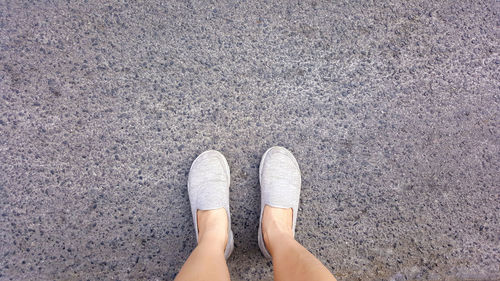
208 188
280 182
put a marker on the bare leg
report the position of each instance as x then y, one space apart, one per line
207 261
291 261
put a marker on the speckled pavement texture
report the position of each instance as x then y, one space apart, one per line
391 108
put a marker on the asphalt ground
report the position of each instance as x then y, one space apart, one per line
390 107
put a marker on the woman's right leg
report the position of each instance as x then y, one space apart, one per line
291 261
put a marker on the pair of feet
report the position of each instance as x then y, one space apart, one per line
213 224
208 187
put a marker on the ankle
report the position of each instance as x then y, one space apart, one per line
212 239
275 238
276 226
274 232
212 228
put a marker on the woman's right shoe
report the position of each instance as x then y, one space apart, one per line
280 183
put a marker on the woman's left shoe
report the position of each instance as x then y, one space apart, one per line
208 188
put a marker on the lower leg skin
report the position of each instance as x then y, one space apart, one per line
207 261
291 261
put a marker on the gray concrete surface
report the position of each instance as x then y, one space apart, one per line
391 108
